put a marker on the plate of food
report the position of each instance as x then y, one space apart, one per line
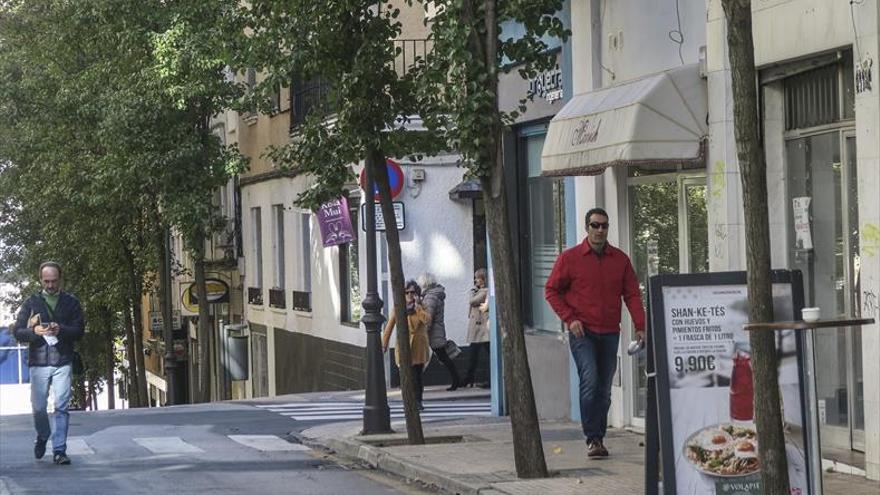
724 450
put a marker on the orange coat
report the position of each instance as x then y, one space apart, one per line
418 335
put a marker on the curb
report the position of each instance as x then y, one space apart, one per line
399 466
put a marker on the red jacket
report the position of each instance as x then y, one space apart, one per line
588 287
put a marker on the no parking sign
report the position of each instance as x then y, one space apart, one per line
395 179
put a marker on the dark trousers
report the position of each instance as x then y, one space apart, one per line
417 378
477 348
450 366
596 358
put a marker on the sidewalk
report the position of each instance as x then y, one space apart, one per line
475 456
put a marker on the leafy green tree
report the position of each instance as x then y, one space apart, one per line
349 45
107 142
460 98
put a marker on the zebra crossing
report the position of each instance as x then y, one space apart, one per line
340 411
84 446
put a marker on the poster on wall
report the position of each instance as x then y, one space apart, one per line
705 388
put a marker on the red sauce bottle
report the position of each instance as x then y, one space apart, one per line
742 406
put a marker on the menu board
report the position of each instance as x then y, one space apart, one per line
705 388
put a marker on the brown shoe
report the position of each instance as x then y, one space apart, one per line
594 448
603 452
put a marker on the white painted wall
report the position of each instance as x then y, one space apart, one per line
439 237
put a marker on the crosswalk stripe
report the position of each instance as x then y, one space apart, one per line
447 412
78 446
167 445
329 411
266 443
75 446
424 414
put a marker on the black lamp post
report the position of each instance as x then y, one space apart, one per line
168 330
377 416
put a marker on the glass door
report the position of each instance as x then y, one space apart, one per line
668 234
824 191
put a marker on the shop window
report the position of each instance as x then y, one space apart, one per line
545 228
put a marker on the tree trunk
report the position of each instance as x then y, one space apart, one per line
527 446
768 411
134 399
138 325
136 289
110 370
205 322
415 435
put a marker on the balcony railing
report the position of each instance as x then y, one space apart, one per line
302 301
308 97
410 52
277 299
255 296
312 96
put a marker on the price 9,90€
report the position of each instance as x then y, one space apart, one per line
694 364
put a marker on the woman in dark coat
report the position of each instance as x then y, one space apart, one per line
433 299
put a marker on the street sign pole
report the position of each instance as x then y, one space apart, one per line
377 415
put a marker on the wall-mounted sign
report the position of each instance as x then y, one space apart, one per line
395 179
863 75
156 325
399 216
335 222
547 85
218 292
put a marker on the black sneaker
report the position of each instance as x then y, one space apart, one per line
39 448
60 458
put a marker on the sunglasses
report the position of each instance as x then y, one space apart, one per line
599 225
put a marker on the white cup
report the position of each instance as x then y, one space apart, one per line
810 314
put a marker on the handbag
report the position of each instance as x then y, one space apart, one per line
452 349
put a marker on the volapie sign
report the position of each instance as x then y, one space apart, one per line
547 85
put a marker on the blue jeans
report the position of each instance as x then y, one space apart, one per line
595 356
59 378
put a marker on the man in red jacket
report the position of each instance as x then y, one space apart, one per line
585 290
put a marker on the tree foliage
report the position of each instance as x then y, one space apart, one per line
349 46
103 143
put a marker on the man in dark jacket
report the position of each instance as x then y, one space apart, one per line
585 289
50 322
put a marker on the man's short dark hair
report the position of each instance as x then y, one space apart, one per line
593 211
49 264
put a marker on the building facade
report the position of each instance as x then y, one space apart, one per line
654 81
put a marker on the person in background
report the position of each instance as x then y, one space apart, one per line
417 318
50 322
478 324
585 289
434 297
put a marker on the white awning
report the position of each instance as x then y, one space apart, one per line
655 119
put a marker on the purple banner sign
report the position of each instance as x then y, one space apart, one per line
335 222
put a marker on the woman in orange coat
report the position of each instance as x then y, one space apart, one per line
417 318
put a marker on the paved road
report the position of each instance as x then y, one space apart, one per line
212 448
